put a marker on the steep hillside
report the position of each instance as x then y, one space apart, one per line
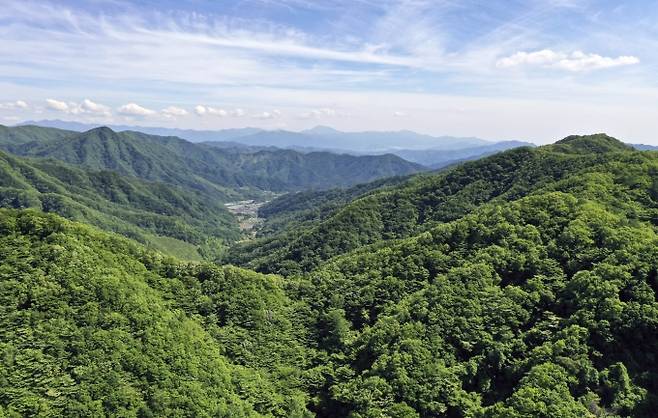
93 325
545 306
323 170
526 287
226 174
522 285
15 137
426 200
292 209
164 216
164 159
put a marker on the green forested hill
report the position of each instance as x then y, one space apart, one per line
93 325
164 216
532 294
426 200
15 137
225 173
522 285
291 209
542 307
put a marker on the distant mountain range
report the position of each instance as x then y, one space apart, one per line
430 151
225 173
644 147
369 141
320 137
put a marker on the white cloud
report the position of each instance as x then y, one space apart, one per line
267 115
543 57
209 110
133 109
318 113
237 112
202 110
579 61
173 111
87 106
575 61
217 112
18 104
399 114
57 105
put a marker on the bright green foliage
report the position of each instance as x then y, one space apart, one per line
491 310
145 211
424 201
88 328
521 285
537 298
225 174
292 209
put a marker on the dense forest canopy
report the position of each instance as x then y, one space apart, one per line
424 201
173 219
520 285
227 174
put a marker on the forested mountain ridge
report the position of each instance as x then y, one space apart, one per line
424 200
430 151
539 301
19 135
589 144
544 306
221 172
94 325
145 211
521 285
308 206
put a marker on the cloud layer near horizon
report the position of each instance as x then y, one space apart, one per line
393 64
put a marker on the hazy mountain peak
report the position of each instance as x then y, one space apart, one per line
322 130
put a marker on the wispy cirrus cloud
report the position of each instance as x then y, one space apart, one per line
308 59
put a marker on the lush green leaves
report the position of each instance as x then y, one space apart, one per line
522 285
224 173
169 218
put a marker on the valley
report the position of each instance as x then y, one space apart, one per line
328 209
246 212
454 293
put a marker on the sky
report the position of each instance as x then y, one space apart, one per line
528 70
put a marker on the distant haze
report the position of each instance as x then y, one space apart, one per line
429 151
498 69
319 137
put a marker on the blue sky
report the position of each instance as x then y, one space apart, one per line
533 70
